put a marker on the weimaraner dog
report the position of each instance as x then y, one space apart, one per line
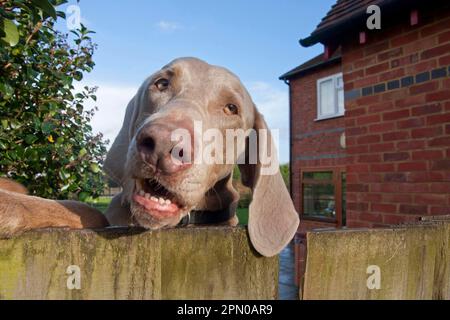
162 191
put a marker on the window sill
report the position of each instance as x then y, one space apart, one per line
329 117
318 219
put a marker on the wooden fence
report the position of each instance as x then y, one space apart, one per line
407 262
189 263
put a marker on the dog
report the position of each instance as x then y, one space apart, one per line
159 188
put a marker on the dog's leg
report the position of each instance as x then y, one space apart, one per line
20 213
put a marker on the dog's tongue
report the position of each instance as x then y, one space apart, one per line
155 208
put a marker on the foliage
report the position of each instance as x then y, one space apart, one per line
46 141
284 169
245 194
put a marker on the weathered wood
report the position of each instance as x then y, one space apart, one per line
189 263
414 261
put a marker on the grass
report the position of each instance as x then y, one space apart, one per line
242 214
102 204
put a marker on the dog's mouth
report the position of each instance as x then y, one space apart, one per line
156 200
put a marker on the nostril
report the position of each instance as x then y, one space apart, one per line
147 145
177 154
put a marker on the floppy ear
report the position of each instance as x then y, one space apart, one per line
273 220
117 156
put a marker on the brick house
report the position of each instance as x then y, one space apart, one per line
370 118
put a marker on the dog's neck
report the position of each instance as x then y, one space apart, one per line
220 197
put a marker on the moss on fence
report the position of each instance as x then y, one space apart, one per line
189 263
413 262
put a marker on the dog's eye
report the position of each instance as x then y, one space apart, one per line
162 84
231 109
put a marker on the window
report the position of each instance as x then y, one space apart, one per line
330 97
323 195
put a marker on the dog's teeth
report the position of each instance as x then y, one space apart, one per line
154 199
162 201
168 202
147 196
142 193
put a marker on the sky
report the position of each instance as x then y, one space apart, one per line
257 40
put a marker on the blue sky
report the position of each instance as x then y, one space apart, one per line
257 40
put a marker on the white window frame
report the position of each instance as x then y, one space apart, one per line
337 113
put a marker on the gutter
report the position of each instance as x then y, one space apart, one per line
290 74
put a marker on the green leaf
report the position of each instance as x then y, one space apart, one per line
3 145
47 127
30 139
46 7
95 168
11 33
82 152
59 2
78 76
83 196
64 175
15 124
6 89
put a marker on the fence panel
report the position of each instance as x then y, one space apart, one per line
189 263
408 262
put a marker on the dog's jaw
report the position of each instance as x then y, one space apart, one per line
154 206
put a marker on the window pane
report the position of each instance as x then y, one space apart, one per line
318 200
327 94
326 175
341 103
339 83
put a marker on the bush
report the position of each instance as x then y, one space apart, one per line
46 141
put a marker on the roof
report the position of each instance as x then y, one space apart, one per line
313 64
348 15
342 10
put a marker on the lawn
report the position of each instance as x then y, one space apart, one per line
102 204
242 214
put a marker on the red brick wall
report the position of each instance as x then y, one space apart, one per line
312 140
398 140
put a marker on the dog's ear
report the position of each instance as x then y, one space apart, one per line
273 220
117 156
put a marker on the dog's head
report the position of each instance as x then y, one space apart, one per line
187 127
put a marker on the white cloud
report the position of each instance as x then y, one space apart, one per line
112 100
273 103
168 26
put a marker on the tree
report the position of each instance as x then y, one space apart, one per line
46 141
285 173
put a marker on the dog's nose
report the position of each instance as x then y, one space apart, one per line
156 148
